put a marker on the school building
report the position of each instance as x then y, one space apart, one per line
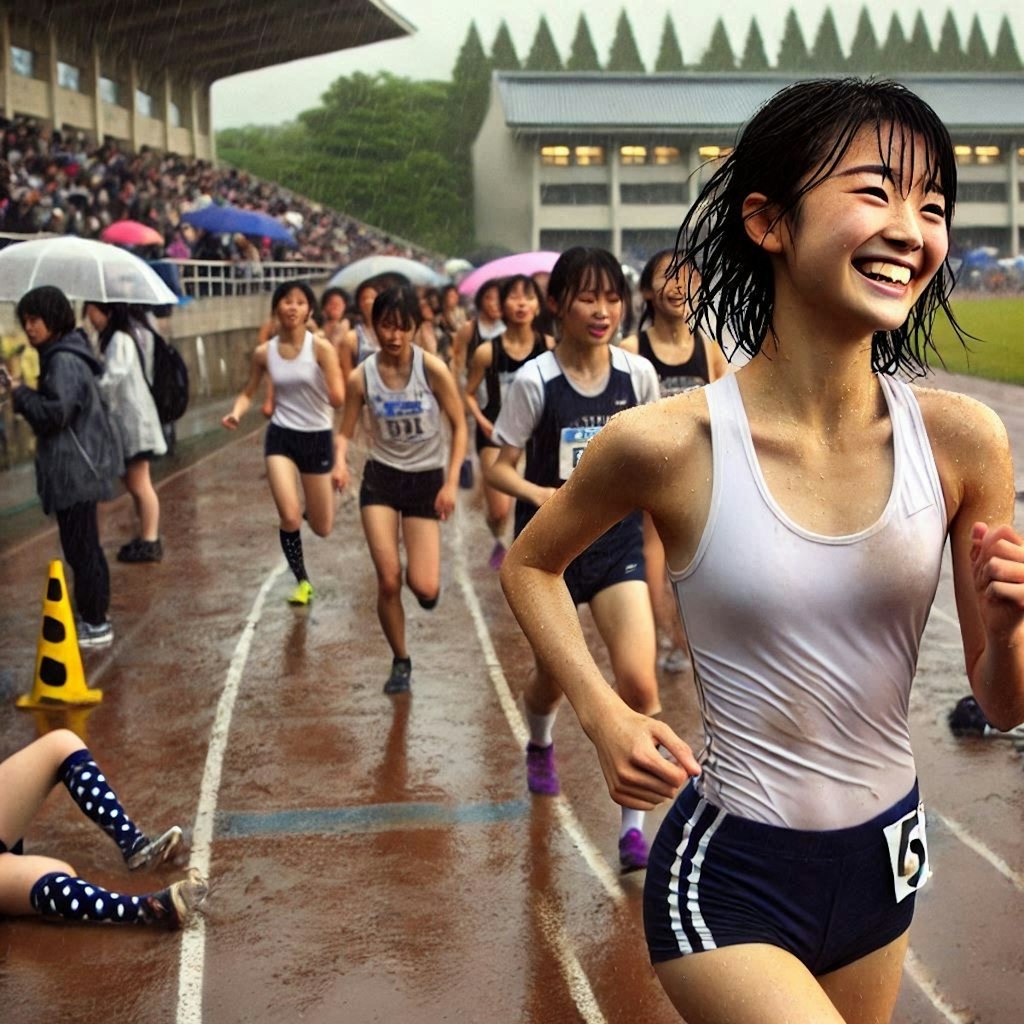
140 71
615 160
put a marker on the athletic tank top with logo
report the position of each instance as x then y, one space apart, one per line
405 424
502 371
674 380
300 391
804 646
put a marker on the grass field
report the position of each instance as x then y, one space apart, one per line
999 323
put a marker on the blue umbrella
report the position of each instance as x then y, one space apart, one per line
230 220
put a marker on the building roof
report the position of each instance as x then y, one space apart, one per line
209 40
534 101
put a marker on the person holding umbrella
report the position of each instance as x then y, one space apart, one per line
78 454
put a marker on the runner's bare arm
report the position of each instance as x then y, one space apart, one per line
609 482
355 392
477 368
503 475
442 383
327 360
973 457
257 368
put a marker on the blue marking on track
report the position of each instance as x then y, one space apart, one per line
369 818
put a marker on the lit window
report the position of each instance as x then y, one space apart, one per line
633 154
109 91
554 156
68 76
23 61
143 103
714 152
987 154
175 115
589 156
963 154
666 155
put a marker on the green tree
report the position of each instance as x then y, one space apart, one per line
827 51
503 50
543 55
949 54
624 54
864 51
755 57
1006 57
920 52
470 91
718 56
670 54
978 57
893 55
583 53
793 54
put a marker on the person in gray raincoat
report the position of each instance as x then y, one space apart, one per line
78 454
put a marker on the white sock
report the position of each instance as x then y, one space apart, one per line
541 727
631 818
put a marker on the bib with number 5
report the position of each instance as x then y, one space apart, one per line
908 853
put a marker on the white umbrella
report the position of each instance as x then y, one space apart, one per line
354 274
82 269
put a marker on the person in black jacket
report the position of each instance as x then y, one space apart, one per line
78 456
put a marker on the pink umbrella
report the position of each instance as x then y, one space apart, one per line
521 263
131 232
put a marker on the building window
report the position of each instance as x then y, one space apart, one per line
589 156
982 192
633 155
978 154
714 152
554 156
577 194
23 62
653 192
68 76
175 115
109 91
639 244
560 239
143 103
664 155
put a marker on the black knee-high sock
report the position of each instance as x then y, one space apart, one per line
291 545
93 794
74 899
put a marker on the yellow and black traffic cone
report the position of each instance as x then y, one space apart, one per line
60 677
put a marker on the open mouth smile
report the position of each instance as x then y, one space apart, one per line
884 272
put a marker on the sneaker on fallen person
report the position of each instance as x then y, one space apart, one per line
174 906
155 851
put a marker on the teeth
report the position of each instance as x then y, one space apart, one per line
886 271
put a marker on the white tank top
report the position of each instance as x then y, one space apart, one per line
804 646
405 425
366 343
300 391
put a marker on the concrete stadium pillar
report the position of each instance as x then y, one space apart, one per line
167 111
1013 165
614 196
133 103
97 97
53 99
6 80
535 207
193 102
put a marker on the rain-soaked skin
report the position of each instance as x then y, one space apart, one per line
379 858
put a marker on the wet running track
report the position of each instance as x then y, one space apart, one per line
379 859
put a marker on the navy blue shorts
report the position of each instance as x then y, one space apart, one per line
615 557
410 494
312 451
829 897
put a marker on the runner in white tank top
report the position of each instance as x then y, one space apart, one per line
307 387
407 486
804 502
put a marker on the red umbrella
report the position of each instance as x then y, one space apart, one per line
131 232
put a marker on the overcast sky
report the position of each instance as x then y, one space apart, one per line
280 93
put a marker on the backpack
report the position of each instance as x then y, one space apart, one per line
169 386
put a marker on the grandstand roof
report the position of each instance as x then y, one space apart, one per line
209 40
534 101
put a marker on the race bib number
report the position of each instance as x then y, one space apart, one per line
574 440
908 853
402 421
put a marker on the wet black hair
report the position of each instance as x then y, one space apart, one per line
286 286
491 282
119 318
400 304
793 143
381 283
581 267
329 293
509 285
51 305
647 284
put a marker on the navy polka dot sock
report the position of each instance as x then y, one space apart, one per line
291 545
91 791
70 898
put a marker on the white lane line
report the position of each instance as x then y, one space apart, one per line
567 818
193 940
921 978
1015 878
551 926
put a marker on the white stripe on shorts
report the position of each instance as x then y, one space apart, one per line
693 880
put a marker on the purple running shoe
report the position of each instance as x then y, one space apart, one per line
497 556
632 851
541 774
